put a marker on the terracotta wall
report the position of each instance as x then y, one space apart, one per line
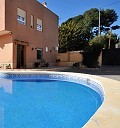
2 15
70 57
6 50
76 57
64 57
67 59
47 38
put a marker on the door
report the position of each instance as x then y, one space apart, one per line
20 56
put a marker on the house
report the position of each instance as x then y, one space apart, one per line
28 33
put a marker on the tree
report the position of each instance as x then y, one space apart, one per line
76 32
68 37
92 51
113 39
91 54
104 40
108 17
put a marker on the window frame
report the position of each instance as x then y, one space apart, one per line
21 19
39 27
41 53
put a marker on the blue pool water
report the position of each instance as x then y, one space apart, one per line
46 104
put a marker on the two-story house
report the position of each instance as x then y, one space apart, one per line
28 33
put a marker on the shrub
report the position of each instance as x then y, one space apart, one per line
91 54
58 60
36 64
42 63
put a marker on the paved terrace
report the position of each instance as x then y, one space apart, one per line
108 115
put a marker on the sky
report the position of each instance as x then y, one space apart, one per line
66 9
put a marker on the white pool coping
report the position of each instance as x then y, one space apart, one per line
108 115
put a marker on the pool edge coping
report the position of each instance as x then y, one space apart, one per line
108 112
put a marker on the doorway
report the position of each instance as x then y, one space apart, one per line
20 56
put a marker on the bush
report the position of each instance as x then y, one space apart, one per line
42 63
91 54
58 60
36 64
77 64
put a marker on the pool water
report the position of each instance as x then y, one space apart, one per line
46 104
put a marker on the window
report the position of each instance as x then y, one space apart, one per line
39 25
39 54
21 20
32 21
21 16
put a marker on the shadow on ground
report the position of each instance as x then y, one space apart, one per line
97 71
112 72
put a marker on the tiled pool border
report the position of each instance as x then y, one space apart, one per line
108 115
71 77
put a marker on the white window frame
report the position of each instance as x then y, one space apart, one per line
39 25
21 16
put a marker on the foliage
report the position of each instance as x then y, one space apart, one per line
94 49
91 54
36 64
90 19
58 60
108 17
69 37
105 39
80 33
102 40
41 63
76 33
76 64
112 40
119 40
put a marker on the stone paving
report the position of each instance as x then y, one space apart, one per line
112 72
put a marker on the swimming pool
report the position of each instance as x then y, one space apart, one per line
47 100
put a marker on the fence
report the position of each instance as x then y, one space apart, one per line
67 59
111 56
